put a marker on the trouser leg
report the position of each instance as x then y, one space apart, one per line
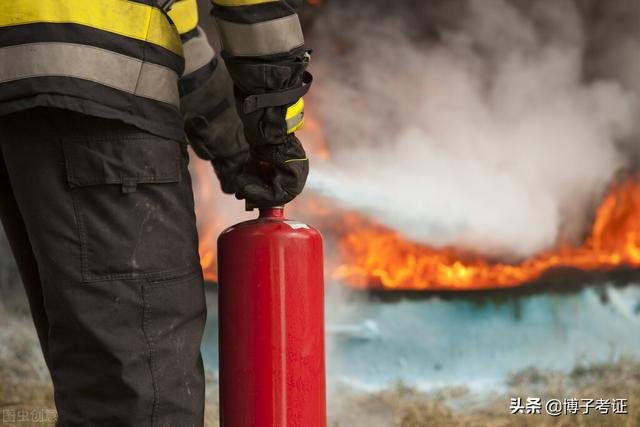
109 214
21 247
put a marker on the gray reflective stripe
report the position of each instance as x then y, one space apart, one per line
197 52
293 121
90 63
263 38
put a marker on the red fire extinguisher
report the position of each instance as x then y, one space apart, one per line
271 324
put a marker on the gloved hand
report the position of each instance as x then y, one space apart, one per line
275 173
269 101
212 125
228 170
222 142
264 51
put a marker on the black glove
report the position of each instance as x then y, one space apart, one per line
265 90
228 170
227 148
275 173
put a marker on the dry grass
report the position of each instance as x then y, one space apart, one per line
403 406
24 384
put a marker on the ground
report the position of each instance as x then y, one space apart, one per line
24 385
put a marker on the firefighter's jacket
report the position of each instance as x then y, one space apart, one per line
127 59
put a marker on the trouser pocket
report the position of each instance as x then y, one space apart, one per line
134 205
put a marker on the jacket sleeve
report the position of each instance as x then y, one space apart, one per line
212 125
258 28
263 48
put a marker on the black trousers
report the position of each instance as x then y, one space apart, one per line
100 219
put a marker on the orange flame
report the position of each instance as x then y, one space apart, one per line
378 257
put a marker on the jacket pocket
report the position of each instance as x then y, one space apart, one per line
134 206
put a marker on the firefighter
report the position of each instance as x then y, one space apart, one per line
95 100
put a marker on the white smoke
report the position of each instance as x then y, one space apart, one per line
490 137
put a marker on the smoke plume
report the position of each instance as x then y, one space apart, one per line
494 126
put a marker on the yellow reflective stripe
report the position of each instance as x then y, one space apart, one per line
295 116
126 18
184 14
231 3
295 109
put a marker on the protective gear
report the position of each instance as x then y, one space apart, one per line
107 206
212 125
263 48
107 214
221 142
269 95
110 58
228 170
275 174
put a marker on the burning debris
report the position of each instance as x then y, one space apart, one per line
379 257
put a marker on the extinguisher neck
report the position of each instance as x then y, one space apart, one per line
274 212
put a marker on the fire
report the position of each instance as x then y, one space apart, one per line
377 257
371 256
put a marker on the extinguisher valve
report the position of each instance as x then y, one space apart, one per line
266 212
272 213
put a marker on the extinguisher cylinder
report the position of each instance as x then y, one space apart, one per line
271 324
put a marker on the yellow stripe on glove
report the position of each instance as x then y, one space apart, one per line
295 116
